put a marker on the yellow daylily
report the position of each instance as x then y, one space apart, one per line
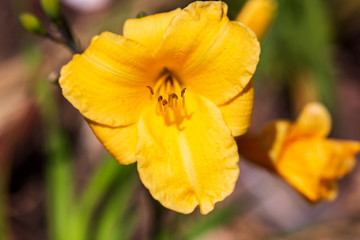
170 95
301 154
258 14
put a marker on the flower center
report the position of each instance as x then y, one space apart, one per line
168 93
170 98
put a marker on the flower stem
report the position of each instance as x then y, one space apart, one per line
58 167
66 33
3 201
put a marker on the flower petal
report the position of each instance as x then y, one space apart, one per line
257 14
342 157
209 54
107 83
273 137
302 164
237 112
313 166
190 161
314 121
119 141
149 30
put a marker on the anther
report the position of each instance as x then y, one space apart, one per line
174 96
183 92
164 102
151 90
171 96
160 98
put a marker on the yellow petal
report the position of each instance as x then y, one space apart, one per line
313 166
119 141
108 82
209 54
257 14
302 164
314 121
273 138
237 112
188 160
342 157
149 30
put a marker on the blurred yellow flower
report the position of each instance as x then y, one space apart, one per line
171 94
301 154
258 14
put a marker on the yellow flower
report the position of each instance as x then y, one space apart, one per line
301 154
170 95
258 14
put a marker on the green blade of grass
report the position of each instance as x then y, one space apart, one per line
3 201
58 165
58 186
95 190
113 212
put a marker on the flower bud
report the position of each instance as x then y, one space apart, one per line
51 9
258 14
141 15
32 24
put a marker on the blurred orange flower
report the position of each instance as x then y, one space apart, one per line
164 95
258 14
300 153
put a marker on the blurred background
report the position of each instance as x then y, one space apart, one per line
56 178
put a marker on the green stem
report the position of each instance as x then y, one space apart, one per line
58 168
66 32
71 45
59 186
58 165
159 211
3 201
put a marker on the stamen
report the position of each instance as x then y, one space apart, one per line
174 99
183 92
174 96
160 109
168 91
151 90
171 100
